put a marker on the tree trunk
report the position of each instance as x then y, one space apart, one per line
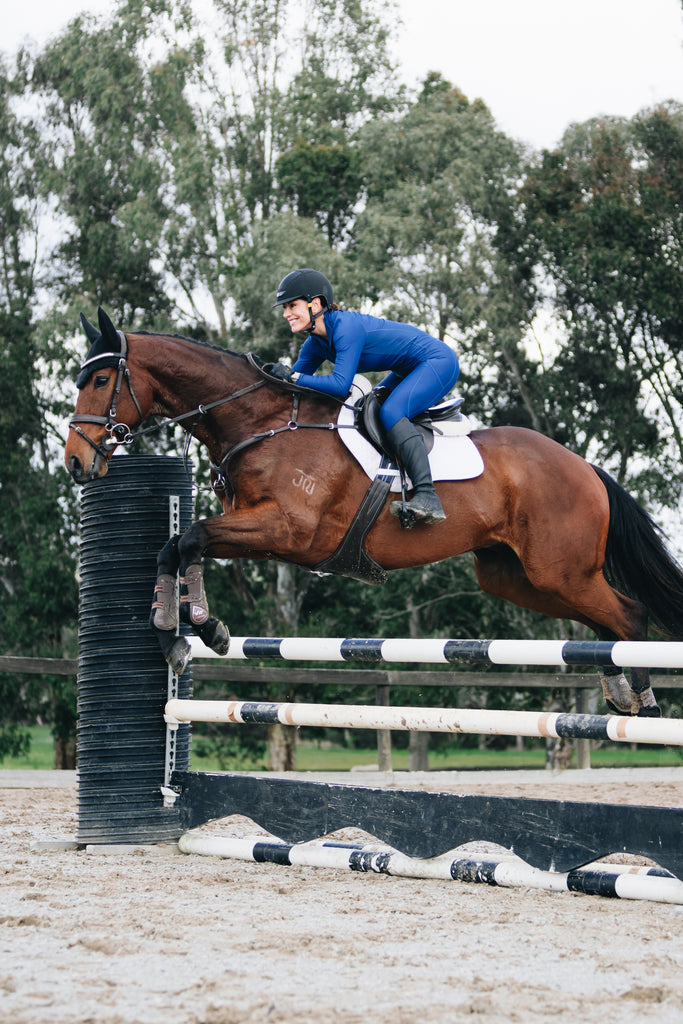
281 748
64 753
418 751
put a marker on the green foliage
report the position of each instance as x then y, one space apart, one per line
37 578
99 160
605 211
322 180
181 172
435 178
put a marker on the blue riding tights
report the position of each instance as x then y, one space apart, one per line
424 386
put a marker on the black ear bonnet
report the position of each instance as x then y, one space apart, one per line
107 347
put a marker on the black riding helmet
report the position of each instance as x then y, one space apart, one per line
304 284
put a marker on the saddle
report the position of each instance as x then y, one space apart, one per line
369 424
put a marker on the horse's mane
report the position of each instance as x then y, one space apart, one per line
192 341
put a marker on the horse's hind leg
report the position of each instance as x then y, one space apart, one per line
501 573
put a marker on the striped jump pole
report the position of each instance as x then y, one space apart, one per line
620 653
616 881
450 720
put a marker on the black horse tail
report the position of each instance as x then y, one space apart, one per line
638 564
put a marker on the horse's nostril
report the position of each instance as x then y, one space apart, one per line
75 467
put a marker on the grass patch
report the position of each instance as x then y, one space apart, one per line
309 758
40 756
313 757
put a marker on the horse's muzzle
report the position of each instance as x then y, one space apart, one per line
83 475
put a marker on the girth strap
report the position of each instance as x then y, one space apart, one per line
351 558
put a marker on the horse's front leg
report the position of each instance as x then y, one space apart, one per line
183 554
194 606
164 613
257 531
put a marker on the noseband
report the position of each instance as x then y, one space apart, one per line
119 433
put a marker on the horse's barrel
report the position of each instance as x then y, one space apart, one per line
126 518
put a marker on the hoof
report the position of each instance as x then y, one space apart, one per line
216 636
655 712
617 694
179 656
644 705
221 641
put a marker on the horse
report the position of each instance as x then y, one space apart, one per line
544 525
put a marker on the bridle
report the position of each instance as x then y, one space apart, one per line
119 433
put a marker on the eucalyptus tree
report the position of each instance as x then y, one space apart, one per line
100 97
440 181
282 88
606 212
37 578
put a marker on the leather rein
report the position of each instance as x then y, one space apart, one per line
121 434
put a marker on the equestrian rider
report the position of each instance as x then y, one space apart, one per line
422 371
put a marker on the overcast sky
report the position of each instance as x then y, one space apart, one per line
538 64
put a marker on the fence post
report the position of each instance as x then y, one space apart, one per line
383 735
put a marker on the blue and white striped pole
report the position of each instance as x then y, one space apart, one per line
620 653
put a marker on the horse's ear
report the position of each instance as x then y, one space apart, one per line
107 328
92 333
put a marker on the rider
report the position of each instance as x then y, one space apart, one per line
422 371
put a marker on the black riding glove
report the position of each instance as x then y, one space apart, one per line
381 393
282 372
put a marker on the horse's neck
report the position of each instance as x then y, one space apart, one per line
184 376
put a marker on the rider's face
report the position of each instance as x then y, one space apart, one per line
297 315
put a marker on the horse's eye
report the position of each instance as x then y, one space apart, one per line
101 382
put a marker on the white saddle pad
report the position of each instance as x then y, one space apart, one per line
453 457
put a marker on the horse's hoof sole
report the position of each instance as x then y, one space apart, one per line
179 656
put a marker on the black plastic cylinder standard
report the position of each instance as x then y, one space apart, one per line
126 518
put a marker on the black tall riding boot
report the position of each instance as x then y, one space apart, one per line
409 448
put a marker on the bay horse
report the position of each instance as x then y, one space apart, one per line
541 522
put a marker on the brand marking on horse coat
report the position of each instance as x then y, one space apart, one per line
304 481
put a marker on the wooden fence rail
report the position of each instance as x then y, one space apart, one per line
290 678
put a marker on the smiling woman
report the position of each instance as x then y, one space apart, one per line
422 371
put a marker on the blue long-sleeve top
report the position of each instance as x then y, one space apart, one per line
357 342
